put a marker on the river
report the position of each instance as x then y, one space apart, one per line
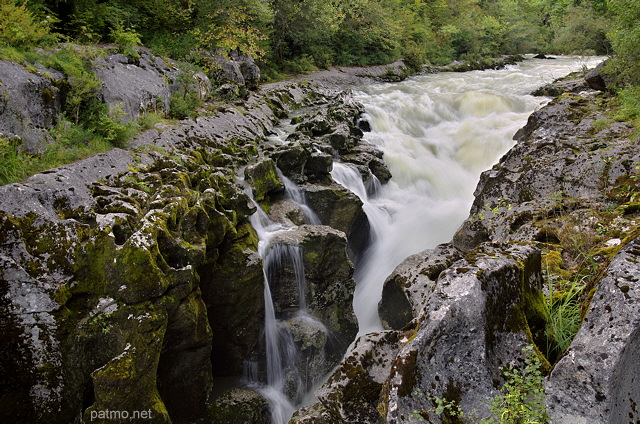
438 133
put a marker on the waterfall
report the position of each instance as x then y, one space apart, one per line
297 195
438 133
286 384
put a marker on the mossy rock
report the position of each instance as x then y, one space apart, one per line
263 178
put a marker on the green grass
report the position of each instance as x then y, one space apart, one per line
18 165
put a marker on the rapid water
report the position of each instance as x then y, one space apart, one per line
438 133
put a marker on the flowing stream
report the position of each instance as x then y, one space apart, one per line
438 133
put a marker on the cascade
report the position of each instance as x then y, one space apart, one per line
438 133
286 381
296 194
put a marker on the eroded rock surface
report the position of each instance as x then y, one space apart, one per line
597 381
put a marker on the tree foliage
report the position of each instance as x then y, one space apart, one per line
292 34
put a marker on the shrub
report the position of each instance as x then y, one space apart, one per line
127 39
185 99
20 28
521 399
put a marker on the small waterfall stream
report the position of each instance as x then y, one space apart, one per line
285 385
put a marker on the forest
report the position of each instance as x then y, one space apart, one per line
291 36
295 36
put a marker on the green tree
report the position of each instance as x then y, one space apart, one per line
581 30
625 38
19 27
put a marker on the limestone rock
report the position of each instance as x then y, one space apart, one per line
599 79
597 379
241 406
481 312
407 290
328 275
30 102
352 393
263 178
135 88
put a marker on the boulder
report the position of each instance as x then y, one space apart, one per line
339 208
135 88
241 406
30 101
236 67
483 310
263 178
328 276
600 79
407 290
352 393
597 379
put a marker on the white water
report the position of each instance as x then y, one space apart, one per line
438 133
281 353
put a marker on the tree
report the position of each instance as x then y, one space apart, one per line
625 38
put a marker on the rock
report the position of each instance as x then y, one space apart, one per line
232 289
572 83
407 290
312 414
599 79
263 178
130 280
482 311
241 406
239 68
135 89
339 208
555 155
328 275
30 101
352 393
127 382
597 379
185 370
250 71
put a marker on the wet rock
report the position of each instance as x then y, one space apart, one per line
572 83
313 414
241 406
597 379
408 289
352 393
232 289
184 369
328 274
339 208
482 311
263 178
